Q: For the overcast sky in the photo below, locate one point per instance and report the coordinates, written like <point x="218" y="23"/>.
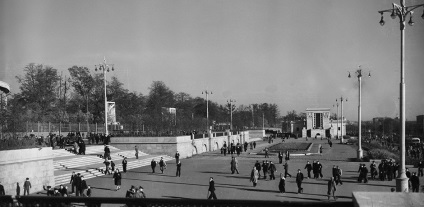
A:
<point x="295" y="53"/>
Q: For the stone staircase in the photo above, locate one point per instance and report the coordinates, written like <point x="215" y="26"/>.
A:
<point x="90" y="160"/>
<point x="62" y="153"/>
<point x="97" y="172"/>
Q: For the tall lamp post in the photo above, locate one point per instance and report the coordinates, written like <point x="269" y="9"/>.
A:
<point x="401" y="11"/>
<point x="359" y="75"/>
<point x="341" y="122"/>
<point x="207" y="108"/>
<point x="337" y="119"/>
<point x="105" y="68"/>
<point x="231" y="101"/>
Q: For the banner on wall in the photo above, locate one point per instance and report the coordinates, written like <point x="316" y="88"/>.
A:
<point x="111" y="113"/>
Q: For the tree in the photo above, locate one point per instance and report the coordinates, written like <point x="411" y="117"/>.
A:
<point x="159" y="96"/>
<point x="82" y="82"/>
<point x="39" y="91"/>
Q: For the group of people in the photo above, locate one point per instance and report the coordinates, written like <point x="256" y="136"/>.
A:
<point x="236" y="148"/>
<point x="79" y="185"/>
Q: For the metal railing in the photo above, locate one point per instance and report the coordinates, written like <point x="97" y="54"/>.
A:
<point x="41" y="201"/>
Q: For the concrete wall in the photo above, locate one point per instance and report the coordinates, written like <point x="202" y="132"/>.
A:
<point x="185" y="145"/>
<point x="35" y="164"/>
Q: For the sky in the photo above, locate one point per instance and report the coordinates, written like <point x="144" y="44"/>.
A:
<point x="294" y="53"/>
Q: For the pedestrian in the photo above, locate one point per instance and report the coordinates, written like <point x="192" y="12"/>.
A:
<point x="258" y="168"/>
<point x="130" y="192"/>
<point x="139" y="193"/>
<point x="280" y="157"/>
<point x="320" y="150"/>
<point x="245" y="146"/>
<point x="420" y="168"/>
<point x="265" y="168"/>
<point x="49" y="190"/>
<point x="107" y="164"/>
<point x="112" y="165"/>
<point x="234" y="165"/>
<point x="117" y="178"/>
<point x="78" y="185"/>
<point x="18" y="190"/>
<point x="331" y="188"/>
<point x="178" y="169"/>
<point x="319" y="169"/>
<point x="330" y="143"/>
<point x="408" y="175"/>
<point x="282" y="184"/>
<point x="308" y="167"/>
<point x="299" y="179"/>
<point x="136" y="152"/>
<point x="287" y="155"/>
<point x="2" y="192"/>
<point x="124" y="164"/>
<point x="89" y="193"/>
<point x="254" y="176"/>
<point x="153" y="165"/>
<point x="65" y="191"/>
<point x="373" y="168"/>
<point x="251" y="145"/>
<point x="83" y="188"/>
<point x="72" y="182"/>
<point x="27" y="186"/>
<point x="177" y="157"/>
<point x="162" y="164"/>
<point x="272" y="170"/>
<point x="286" y="170"/>
<point x="254" y="144"/>
<point x="211" y="189"/>
<point x="224" y="148"/>
<point x="415" y="182"/>
<point x="266" y="153"/>
<point x="338" y="177"/>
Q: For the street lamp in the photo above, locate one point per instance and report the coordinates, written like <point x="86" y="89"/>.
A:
<point x="105" y="68"/>
<point x="341" y="122"/>
<point x="207" y="108"/>
<point x="337" y="119"/>
<point x="359" y="75"/>
<point x="401" y="11"/>
<point x="231" y="113"/>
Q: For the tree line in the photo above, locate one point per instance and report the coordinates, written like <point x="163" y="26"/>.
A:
<point x="47" y="96"/>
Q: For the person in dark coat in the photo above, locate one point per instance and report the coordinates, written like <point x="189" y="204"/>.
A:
<point x="420" y="169"/>
<point x="18" y="190"/>
<point x="112" y="165"/>
<point x="280" y="157"/>
<point x="272" y="170"/>
<point x="211" y="189"/>
<point x="130" y="192"/>
<point x="299" y="179"/>
<point x="258" y="167"/>
<point x="415" y="182"/>
<point x="177" y="157"/>
<point x="78" y="185"/>
<point x="72" y="182"/>
<point x="308" y="168"/>
<point x="89" y="192"/>
<point x="153" y="165"/>
<point x="319" y="169"/>
<point x="27" y="186"/>
<point x="124" y="164"/>
<point x="408" y="175"/>
<point x="282" y="183"/>
<point x="254" y="144"/>
<point x="117" y="177"/>
<point x="162" y="164"/>
<point x="265" y="168"/>
<point x="49" y="190"/>
<point x="245" y="146"/>
<point x="178" y="169"/>
<point x="2" y="192"/>
<point x="286" y="170"/>
<point x="224" y="149"/>
<point x="315" y="169"/>
<point x="83" y="187"/>
<point x="373" y="168"/>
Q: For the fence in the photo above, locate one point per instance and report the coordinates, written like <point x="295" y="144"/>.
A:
<point x="42" y="201"/>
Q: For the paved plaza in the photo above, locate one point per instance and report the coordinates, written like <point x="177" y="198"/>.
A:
<point x="193" y="183"/>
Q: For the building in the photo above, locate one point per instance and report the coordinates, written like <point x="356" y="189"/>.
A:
<point x="318" y="122"/>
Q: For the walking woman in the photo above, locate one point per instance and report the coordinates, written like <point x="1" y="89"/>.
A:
<point x="254" y="175"/>
<point x="282" y="184"/>
<point x="331" y="188"/>
<point x="117" y="177"/>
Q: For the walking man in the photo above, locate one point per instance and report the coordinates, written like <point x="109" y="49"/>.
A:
<point x="319" y="168"/>
<point x="72" y="182"/>
<point x="178" y="169"/>
<point x="211" y="189"/>
<point x="299" y="179"/>
<point x="415" y="182"/>
<point x="338" y="176"/>
<point x="373" y="168"/>
<point x="177" y="157"/>
<point x="136" y="152"/>
<point x="272" y="170"/>
<point x="420" y="168"/>
<point x="27" y="186"/>
<point x="124" y="164"/>
<point x="308" y="167"/>
<point x="282" y="184"/>
<point x="162" y="164"/>
<point x="258" y="168"/>
<point x="286" y="170"/>
<point x="280" y="157"/>
<point x="153" y="165"/>
<point x="234" y="165"/>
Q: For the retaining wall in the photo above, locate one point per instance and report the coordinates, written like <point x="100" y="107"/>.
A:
<point x="35" y="164"/>
<point x="185" y="145"/>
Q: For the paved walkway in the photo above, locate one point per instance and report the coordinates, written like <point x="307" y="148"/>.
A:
<point x="196" y="172"/>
